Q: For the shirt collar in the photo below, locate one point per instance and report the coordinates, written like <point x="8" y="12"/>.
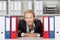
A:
<point x="33" y="25"/>
<point x="28" y="28"/>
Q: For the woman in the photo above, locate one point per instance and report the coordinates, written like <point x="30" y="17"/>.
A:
<point x="30" y="27"/>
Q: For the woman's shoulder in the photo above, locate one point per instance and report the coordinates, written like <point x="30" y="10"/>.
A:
<point x="37" y="20"/>
<point x="22" y="21"/>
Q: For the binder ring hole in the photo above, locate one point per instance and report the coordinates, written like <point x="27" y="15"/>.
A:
<point x="45" y="32"/>
<point x="2" y="32"/>
<point x="13" y="32"/>
<point x="57" y="32"/>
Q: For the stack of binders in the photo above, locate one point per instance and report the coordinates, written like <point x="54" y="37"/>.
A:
<point x="2" y="27"/>
<point x="11" y="27"/>
<point x="48" y="26"/>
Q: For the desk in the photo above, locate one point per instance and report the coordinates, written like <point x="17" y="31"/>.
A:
<point x="32" y="38"/>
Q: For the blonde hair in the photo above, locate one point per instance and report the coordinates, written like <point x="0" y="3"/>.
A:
<point x="29" y="11"/>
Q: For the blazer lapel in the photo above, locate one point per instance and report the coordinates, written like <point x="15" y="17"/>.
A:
<point x="24" y="26"/>
<point x="35" y="27"/>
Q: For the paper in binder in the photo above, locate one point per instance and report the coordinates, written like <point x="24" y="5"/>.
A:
<point x="2" y="27"/>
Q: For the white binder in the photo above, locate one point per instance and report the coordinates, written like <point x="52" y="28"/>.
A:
<point x="57" y="27"/>
<point x="27" y="5"/>
<point x="19" y="8"/>
<point x="15" y="7"/>
<point x="4" y="7"/>
<point x="11" y="7"/>
<point x="38" y="7"/>
<point x="30" y="5"/>
<point x="2" y="28"/>
<point x="0" y="7"/>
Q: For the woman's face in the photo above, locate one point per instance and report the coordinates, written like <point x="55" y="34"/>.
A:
<point x="29" y="18"/>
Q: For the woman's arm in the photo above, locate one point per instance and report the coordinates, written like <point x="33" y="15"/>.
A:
<point x="31" y="35"/>
<point x="19" y="29"/>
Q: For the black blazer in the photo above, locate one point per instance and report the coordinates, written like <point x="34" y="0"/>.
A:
<point x="37" y="29"/>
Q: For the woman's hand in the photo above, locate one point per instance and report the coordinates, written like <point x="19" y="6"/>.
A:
<point x="30" y="34"/>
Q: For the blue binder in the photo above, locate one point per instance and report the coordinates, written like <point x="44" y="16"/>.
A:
<point x="52" y="26"/>
<point x="7" y="27"/>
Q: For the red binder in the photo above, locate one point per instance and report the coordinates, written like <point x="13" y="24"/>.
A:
<point x="14" y="27"/>
<point x="45" y="27"/>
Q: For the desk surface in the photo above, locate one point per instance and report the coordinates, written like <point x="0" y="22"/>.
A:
<point x="31" y="38"/>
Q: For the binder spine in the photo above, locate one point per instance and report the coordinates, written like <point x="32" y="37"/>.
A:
<point x="14" y="34"/>
<point x="52" y="32"/>
<point x="7" y="33"/>
<point x="45" y="33"/>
